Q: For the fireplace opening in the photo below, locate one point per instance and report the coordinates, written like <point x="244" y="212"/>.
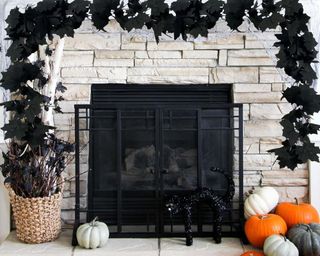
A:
<point x="144" y="143"/>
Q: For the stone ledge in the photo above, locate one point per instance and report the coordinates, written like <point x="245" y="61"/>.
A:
<point x="175" y="62"/>
<point x="76" y="59"/>
<point x="79" y="72"/>
<point x="254" y="42"/>
<point x="158" y="54"/>
<point x="249" y="58"/>
<point x="200" y="54"/>
<point x="164" y="71"/>
<point x="245" y="87"/>
<point x="270" y="75"/>
<point x="93" y="80"/>
<point x="255" y="97"/>
<point x="133" y="46"/>
<point x="234" y="75"/>
<point x="169" y="46"/>
<point x="168" y="79"/>
<point x="77" y="91"/>
<point x="113" y="63"/>
<point x="214" y="43"/>
<point x="105" y="54"/>
<point x="86" y="73"/>
<point x="262" y="128"/>
<point x="93" y="41"/>
<point x="269" y="111"/>
<point x="136" y="37"/>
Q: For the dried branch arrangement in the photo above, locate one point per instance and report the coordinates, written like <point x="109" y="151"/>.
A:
<point x="36" y="171"/>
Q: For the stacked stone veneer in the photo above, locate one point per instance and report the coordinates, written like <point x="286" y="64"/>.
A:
<point x="237" y="58"/>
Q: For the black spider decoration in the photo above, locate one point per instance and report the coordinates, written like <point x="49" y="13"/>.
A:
<point x="217" y="203"/>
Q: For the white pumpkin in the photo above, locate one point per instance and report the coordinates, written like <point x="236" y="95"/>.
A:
<point x="93" y="235"/>
<point x="260" y="202"/>
<point x="277" y="245"/>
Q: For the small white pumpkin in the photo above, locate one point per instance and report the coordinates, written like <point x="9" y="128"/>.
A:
<point x="278" y="245"/>
<point x="93" y="235"/>
<point x="261" y="202"/>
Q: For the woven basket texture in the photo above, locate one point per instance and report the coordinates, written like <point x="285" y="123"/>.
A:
<point x="37" y="219"/>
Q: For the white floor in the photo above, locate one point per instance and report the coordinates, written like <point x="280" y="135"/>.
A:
<point x="123" y="247"/>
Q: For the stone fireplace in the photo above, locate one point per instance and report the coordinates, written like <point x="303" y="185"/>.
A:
<point x="146" y="143"/>
<point x="238" y="58"/>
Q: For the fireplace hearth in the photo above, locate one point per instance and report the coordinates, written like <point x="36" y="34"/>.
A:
<point x="145" y="143"/>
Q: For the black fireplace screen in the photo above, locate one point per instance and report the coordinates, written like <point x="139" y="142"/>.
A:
<point x="141" y="144"/>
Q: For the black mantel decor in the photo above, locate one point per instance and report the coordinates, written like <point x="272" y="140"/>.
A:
<point x="148" y="142"/>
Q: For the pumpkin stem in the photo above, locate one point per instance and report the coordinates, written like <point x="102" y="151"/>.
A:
<point x="94" y="220"/>
<point x="264" y="216"/>
<point x="297" y="202"/>
<point x="251" y="191"/>
<point x="284" y="237"/>
<point x="307" y="227"/>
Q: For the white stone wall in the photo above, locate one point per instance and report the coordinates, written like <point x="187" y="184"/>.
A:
<point x="237" y="58"/>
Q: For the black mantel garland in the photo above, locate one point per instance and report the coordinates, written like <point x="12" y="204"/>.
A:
<point x="30" y="28"/>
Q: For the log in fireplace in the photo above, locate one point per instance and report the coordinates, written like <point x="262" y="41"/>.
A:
<point x="148" y="142"/>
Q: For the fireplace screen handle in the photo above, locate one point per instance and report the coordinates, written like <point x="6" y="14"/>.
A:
<point x="165" y="171"/>
<point x="151" y="170"/>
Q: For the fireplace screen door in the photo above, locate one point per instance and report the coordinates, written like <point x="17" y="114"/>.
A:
<point x="139" y="154"/>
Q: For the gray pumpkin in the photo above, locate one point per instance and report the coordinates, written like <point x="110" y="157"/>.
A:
<point x="306" y="238"/>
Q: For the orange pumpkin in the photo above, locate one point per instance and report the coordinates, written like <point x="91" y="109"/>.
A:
<point x="252" y="253"/>
<point x="297" y="213"/>
<point x="259" y="227"/>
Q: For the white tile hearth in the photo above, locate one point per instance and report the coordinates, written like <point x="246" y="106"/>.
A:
<point x="60" y="247"/>
<point x="125" y="247"/>
<point x="122" y="247"/>
<point x="201" y="247"/>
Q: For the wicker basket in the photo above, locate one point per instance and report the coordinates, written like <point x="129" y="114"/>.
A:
<point x="37" y="219"/>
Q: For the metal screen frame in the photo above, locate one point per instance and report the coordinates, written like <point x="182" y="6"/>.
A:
<point x="204" y="97"/>
<point x="82" y="112"/>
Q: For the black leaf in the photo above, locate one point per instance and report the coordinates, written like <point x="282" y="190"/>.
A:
<point x="271" y="22"/>
<point x="235" y="11"/>
<point x="61" y="88"/>
<point x="289" y="131"/>
<point x="58" y="109"/>
<point x="101" y="12"/>
<point x="15" y="129"/>
<point x="13" y="18"/>
<point x="46" y="5"/>
<point x="17" y="74"/>
<point x="287" y="156"/>
<point x="304" y="96"/>
<point x="79" y="6"/>
<point x="308" y="152"/>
